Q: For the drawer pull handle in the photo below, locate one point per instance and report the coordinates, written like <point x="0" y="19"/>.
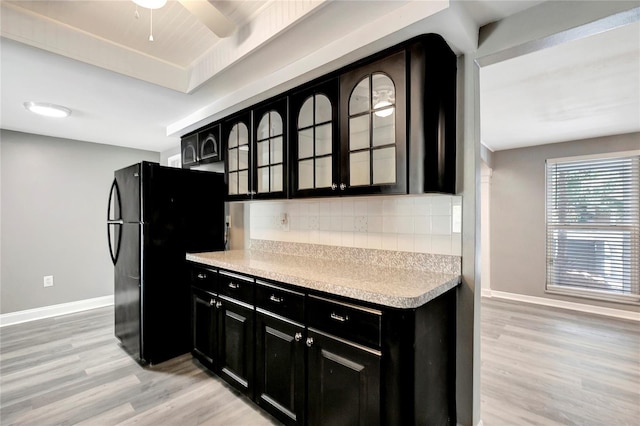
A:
<point x="212" y="302"/>
<point x="276" y="299"/>
<point x="298" y="336"/>
<point x="309" y="341"/>
<point x="218" y="304"/>
<point x="340" y="318"/>
<point x="234" y="286"/>
<point x="202" y="276"/>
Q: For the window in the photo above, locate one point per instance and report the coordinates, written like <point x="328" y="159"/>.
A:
<point x="593" y="241"/>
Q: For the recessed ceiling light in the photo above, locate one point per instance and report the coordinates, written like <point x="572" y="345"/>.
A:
<point x="48" y="110"/>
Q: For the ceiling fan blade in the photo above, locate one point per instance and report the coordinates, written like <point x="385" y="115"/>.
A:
<point x="210" y="16"/>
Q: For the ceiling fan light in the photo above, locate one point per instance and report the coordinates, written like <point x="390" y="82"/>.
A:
<point x="383" y="112"/>
<point x="150" y="4"/>
<point x="47" y="110"/>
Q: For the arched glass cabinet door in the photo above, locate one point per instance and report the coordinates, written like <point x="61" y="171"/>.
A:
<point x="314" y="137"/>
<point x="374" y="127"/>
<point x="270" y="149"/>
<point x="209" y="144"/>
<point x="189" y="150"/>
<point x="238" y="156"/>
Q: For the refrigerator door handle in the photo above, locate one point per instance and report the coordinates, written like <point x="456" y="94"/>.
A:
<point x="114" y="251"/>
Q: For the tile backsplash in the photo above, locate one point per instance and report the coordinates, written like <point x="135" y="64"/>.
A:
<point x="419" y="224"/>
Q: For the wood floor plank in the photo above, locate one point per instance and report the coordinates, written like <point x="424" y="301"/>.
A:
<point x="539" y="366"/>
<point x="548" y="366"/>
<point x="70" y="370"/>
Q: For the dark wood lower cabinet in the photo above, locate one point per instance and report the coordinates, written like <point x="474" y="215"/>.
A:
<point x="315" y="359"/>
<point x="236" y="344"/>
<point x="280" y="367"/>
<point x="343" y="383"/>
<point x="204" y="325"/>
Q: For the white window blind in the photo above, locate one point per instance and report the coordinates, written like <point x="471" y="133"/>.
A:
<point x="593" y="226"/>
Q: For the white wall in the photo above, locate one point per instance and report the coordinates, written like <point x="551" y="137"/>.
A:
<point x="518" y="255"/>
<point x="421" y="224"/>
<point x="54" y="206"/>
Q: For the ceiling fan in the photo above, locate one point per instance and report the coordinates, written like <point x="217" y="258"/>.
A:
<point x="203" y="10"/>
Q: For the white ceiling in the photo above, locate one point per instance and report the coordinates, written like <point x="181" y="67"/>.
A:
<point x="94" y="57"/>
<point x="579" y="89"/>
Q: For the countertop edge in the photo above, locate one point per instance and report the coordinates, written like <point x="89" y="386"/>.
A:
<point x="387" y="300"/>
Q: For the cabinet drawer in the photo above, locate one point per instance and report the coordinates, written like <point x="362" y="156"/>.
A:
<point x="280" y="301"/>
<point x="204" y="279"/>
<point x="352" y="322"/>
<point x="236" y="286"/>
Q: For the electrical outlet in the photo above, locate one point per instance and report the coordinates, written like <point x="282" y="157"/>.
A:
<point x="48" y="280"/>
<point x="228" y="220"/>
<point x="283" y="221"/>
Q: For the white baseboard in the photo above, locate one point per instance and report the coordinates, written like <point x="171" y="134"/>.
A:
<point x="555" y="303"/>
<point x="54" y="310"/>
<point x="486" y="292"/>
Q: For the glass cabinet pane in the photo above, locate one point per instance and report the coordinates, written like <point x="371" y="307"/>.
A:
<point x="243" y="134"/>
<point x="384" y="127"/>
<point x="263" y="128"/>
<point x="233" y="183"/>
<point x="323" y="109"/>
<point x="233" y="159"/>
<point x="305" y="143"/>
<point x="262" y="149"/>
<point x="323" y="172"/>
<point x="323" y="139"/>
<point x="276" y="150"/>
<point x="243" y="182"/>
<point x="263" y="179"/>
<point x="359" y="168"/>
<point x="233" y="137"/>
<point x="276" y="124"/>
<point x="384" y="165"/>
<point x="276" y="178"/>
<point x="305" y="174"/>
<point x="243" y="157"/>
<point x="305" y="117"/>
<point x="360" y="100"/>
<point x="359" y="132"/>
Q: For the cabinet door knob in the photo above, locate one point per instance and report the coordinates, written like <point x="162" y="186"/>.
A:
<point x="298" y="336"/>
<point x="218" y="304"/>
<point x="343" y="187"/>
<point x="334" y="186"/>
<point x="309" y="341"/>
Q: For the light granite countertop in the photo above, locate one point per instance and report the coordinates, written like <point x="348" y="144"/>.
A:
<point x="387" y="286"/>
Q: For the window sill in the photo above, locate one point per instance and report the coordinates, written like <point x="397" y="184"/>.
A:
<point x="594" y="295"/>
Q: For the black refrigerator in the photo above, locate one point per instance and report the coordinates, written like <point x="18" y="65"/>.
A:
<point x="156" y="215"/>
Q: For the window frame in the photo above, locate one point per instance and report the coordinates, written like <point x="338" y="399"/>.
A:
<point x="633" y="297"/>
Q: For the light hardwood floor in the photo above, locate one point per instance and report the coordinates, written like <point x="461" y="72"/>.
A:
<point x="540" y="366"/>
<point x="546" y="366"/>
<point x="70" y="370"/>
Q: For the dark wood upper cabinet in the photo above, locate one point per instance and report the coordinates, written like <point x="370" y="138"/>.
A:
<point x="432" y="115"/>
<point x="373" y="127"/>
<point x="189" y="151"/>
<point x="236" y="133"/>
<point x="315" y="140"/>
<point x="383" y="125"/>
<point x="270" y="150"/>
